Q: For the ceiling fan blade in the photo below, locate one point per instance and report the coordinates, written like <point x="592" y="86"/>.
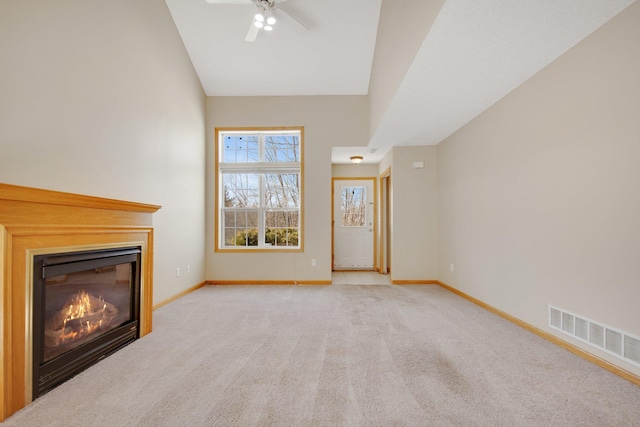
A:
<point x="252" y="33"/>
<point x="287" y="16"/>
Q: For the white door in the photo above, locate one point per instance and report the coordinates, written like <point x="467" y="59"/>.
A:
<point x="353" y="224"/>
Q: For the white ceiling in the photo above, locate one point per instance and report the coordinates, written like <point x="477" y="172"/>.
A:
<point x="476" y="52"/>
<point x="333" y="57"/>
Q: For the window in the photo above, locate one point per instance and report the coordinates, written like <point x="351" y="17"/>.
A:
<point x="259" y="190"/>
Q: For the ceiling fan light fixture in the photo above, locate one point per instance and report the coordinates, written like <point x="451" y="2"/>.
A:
<point x="356" y="159"/>
<point x="271" y="19"/>
<point x="258" y="24"/>
<point x="259" y="17"/>
<point x="268" y="28"/>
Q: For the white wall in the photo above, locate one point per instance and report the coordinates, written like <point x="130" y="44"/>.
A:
<point x="538" y="197"/>
<point x="328" y="121"/>
<point x="100" y="98"/>
<point x="414" y="214"/>
<point x="354" y="171"/>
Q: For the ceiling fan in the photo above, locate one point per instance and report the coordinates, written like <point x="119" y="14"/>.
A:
<point x="265" y="16"/>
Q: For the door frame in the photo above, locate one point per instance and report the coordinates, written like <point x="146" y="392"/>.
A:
<point x="375" y="215"/>
<point x="385" y="222"/>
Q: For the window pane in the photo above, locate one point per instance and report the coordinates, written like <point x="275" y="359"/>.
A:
<point x="241" y="219"/>
<point x="240" y="227"/>
<point x="245" y="237"/>
<point x="354" y="201"/>
<point x="240" y="148"/>
<point x="281" y="237"/>
<point x="240" y="236"/>
<point x="241" y="190"/>
<point x="229" y="236"/>
<point x="230" y="218"/>
<point x="252" y="219"/>
<point x="282" y="228"/>
<point x="281" y="219"/>
<point x="282" y="190"/>
<point x="282" y="148"/>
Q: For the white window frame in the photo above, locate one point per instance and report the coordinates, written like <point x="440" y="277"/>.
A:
<point x="261" y="168"/>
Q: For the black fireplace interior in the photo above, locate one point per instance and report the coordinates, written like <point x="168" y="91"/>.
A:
<point x="86" y="305"/>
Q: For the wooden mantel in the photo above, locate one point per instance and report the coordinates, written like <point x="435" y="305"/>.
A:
<point x="35" y="221"/>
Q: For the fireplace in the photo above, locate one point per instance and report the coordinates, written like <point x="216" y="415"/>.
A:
<point x="86" y="305"/>
<point x="37" y="224"/>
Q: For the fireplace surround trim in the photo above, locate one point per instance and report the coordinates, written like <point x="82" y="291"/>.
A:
<point x="35" y="221"/>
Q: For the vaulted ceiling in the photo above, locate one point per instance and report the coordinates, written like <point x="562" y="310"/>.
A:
<point x="475" y="53"/>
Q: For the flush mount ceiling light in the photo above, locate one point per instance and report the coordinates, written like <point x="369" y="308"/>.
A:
<point x="356" y="159"/>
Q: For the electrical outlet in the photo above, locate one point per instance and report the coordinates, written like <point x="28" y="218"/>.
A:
<point x="313" y="262"/>
<point x="188" y="268"/>
<point x="177" y="271"/>
<point x="451" y="267"/>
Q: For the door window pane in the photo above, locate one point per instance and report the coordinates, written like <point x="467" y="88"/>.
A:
<point x="354" y="201"/>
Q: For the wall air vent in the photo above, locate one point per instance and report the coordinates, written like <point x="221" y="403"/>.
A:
<point x="613" y="341"/>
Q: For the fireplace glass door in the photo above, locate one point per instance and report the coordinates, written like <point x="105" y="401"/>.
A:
<point x="85" y="307"/>
<point x="82" y="305"/>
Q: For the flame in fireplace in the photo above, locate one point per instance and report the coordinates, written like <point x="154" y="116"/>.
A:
<point x="79" y="308"/>
<point x="83" y="315"/>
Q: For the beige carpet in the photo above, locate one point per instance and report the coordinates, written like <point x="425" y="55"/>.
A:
<point x="341" y="355"/>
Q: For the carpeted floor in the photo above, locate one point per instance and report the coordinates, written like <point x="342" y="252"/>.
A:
<point x="340" y="355"/>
